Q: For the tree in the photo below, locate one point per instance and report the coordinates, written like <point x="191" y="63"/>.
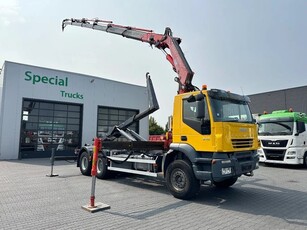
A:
<point x="154" y="128"/>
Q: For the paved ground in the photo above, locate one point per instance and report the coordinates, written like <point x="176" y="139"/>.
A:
<point x="275" y="198"/>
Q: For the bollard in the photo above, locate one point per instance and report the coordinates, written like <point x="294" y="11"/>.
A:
<point x="94" y="171"/>
<point x="52" y="163"/>
<point x="98" y="206"/>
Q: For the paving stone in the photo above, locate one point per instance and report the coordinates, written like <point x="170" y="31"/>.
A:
<point x="275" y="198"/>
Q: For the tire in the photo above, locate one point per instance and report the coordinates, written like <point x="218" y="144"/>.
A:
<point x="305" y="160"/>
<point x="180" y="180"/>
<point x="225" y="183"/>
<point x="85" y="164"/>
<point x="102" y="168"/>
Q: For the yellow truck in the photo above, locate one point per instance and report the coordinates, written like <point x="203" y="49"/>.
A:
<point x="212" y="136"/>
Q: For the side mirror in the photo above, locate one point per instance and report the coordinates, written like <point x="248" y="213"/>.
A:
<point x="300" y="127"/>
<point x="200" y="109"/>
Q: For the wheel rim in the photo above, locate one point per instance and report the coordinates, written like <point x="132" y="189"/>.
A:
<point x="178" y="179"/>
<point x="84" y="163"/>
<point x="99" y="165"/>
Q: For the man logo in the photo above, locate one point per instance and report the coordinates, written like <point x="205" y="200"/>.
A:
<point x="273" y="143"/>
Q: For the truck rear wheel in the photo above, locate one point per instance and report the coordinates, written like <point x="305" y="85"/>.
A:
<point x="85" y="164"/>
<point x="102" y="168"/>
<point x="180" y="180"/>
<point x="225" y="183"/>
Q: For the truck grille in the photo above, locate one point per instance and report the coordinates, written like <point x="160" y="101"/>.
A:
<point x="272" y="154"/>
<point x="242" y="143"/>
<point x="276" y="143"/>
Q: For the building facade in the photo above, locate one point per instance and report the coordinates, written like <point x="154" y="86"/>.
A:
<point x="42" y="109"/>
<point x="295" y="98"/>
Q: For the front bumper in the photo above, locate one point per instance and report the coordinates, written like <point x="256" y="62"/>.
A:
<point x="228" y="165"/>
<point x="293" y="156"/>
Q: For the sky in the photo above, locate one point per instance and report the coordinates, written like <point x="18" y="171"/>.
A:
<point x="244" y="46"/>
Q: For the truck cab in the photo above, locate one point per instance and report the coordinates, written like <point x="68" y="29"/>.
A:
<point x="283" y="138"/>
<point x="216" y="131"/>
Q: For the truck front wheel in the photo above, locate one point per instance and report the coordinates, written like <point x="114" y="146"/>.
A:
<point x="305" y="160"/>
<point x="225" y="183"/>
<point x="85" y="164"/>
<point x="180" y="180"/>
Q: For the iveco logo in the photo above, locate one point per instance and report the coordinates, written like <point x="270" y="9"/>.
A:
<point x="243" y="129"/>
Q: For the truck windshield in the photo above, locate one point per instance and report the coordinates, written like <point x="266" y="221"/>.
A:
<point x="230" y="110"/>
<point x="275" y="128"/>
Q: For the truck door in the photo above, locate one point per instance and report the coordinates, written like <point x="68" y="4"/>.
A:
<point x="196" y="125"/>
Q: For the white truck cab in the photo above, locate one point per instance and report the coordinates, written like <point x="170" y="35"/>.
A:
<point x="283" y="138"/>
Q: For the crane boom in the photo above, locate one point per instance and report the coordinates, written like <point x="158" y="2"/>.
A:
<point x="161" y="41"/>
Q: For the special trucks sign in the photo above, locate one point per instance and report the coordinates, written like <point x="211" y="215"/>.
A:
<point x="54" y="81"/>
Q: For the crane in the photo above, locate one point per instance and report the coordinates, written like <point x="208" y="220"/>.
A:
<point x="165" y="42"/>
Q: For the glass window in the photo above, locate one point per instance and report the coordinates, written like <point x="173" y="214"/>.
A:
<point x="74" y="114"/>
<point x="60" y="113"/>
<point x="113" y="111"/>
<point x="190" y="113"/>
<point x="44" y="112"/>
<point x="276" y="128"/>
<point x="75" y="108"/>
<point x="60" y="107"/>
<point x="122" y="112"/>
<point x="189" y="110"/>
<point x="26" y="104"/>
<point x="45" y="119"/>
<point x="110" y="117"/>
<point x="73" y="121"/>
<point x="102" y="122"/>
<point x="230" y="111"/>
<point x="103" y="128"/>
<point x="32" y="111"/>
<point x="103" y="116"/>
<point x="47" y="125"/>
<point x="103" y="110"/>
<point x="44" y="105"/>
<point x="60" y="120"/>
<point x="73" y="127"/>
<point x="30" y="105"/>
<point x="31" y="126"/>
<point x="33" y="119"/>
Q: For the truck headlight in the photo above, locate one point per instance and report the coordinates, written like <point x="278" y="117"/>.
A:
<point x="226" y="171"/>
<point x="291" y="153"/>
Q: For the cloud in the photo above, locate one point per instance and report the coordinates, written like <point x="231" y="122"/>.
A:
<point x="10" y="12"/>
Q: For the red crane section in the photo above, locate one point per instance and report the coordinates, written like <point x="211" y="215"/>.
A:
<point x="163" y="42"/>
